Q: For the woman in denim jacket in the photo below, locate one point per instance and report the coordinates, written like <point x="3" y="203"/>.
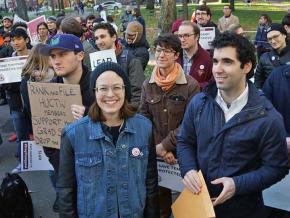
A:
<point x="107" y="161"/>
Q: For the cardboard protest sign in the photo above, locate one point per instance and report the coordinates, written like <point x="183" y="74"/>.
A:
<point x="169" y="176"/>
<point x="99" y="57"/>
<point x="189" y="205"/>
<point x="11" y="69"/>
<point x="33" y="157"/>
<point x="207" y="35"/>
<point x="51" y="110"/>
<point x="32" y="28"/>
<point x="278" y="195"/>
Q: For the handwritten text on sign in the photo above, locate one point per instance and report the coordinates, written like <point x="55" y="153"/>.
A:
<point x="11" y="69"/>
<point x="51" y="110"/>
<point x="99" y="57"/>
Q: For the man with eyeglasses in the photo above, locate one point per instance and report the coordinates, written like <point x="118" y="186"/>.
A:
<point x="164" y="98"/>
<point x="203" y="17"/>
<point x="279" y="54"/>
<point x="228" y="19"/>
<point x="194" y="60"/>
<point x="66" y="55"/>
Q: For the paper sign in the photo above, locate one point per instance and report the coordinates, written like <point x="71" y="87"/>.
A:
<point x="51" y="110"/>
<point x="99" y="57"/>
<point x="32" y="28"/>
<point x="207" y="35"/>
<point x="33" y="157"/>
<point x="11" y="69"/>
<point x="278" y="195"/>
<point x="189" y="205"/>
<point x="169" y="176"/>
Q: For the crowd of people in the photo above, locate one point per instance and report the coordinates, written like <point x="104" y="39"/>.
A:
<point x="199" y="108"/>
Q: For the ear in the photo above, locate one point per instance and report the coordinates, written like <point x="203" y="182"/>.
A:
<point x="114" y="38"/>
<point x="80" y="55"/>
<point x="247" y="67"/>
<point x="27" y="40"/>
<point x="176" y="56"/>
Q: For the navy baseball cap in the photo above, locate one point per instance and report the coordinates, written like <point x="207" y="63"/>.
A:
<point x="67" y="42"/>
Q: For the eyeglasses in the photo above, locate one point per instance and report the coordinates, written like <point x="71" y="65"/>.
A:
<point x="273" y="37"/>
<point x="201" y="14"/>
<point x="165" y="51"/>
<point x="185" y="36"/>
<point x="116" y="89"/>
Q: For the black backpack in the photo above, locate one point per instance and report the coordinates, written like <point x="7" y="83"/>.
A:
<point x="15" y="200"/>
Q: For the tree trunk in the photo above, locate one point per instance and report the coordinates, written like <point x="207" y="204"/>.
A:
<point x="52" y="7"/>
<point x="232" y="4"/>
<point x="21" y="9"/>
<point x="150" y="4"/>
<point x="185" y="9"/>
<point x="61" y="5"/>
<point x="5" y="5"/>
<point x="167" y="15"/>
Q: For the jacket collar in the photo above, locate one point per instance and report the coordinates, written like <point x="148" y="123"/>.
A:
<point x="96" y="131"/>
<point x="180" y="80"/>
<point x="254" y="99"/>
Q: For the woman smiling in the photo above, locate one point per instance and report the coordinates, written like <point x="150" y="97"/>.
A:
<point x="107" y="161"/>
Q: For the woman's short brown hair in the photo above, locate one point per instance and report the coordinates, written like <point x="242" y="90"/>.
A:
<point x="126" y="111"/>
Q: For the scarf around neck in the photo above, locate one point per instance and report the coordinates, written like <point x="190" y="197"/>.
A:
<point x="166" y="83"/>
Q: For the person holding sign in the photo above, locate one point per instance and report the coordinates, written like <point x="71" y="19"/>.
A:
<point x="106" y="38"/>
<point x="108" y="155"/>
<point x="66" y="55"/>
<point x="163" y="100"/>
<point x="233" y="135"/>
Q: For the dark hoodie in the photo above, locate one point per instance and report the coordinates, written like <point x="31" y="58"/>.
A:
<point x="139" y="50"/>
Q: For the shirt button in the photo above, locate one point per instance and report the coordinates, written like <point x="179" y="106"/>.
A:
<point x="123" y="146"/>
<point x="165" y="110"/>
<point x="152" y="100"/>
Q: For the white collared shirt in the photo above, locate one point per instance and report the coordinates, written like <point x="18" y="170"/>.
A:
<point x="236" y="106"/>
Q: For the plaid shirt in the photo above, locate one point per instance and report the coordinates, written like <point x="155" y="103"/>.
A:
<point x="187" y="62"/>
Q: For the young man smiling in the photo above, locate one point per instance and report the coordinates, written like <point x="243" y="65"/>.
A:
<point x="164" y="98"/>
<point x="233" y="135"/>
<point x="106" y="38"/>
<point x="279" y="55"/>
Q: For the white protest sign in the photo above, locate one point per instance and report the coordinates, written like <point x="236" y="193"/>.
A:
<point x="33" y="157"/>
<point x="169" y="176"/>
<point x="99" y="57"/>
<point x="278" y="195"/>
<point x="207" y="35"/>
<point x="11" y="69"/>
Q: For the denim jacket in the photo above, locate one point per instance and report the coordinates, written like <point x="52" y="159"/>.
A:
<point x="100" y="179"/>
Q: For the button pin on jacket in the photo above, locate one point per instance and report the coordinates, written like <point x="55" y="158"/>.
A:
<point x="201" y="67"/>
<point x="136" y="152"/>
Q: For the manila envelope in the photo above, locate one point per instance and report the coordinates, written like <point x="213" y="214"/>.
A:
<point x="189" y="205"/>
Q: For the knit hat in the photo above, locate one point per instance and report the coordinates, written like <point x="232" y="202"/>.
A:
<point x="111" y="66"/>
<point x="7" y="18"/>
<point x="176" y="24"/>
<point x="135" y="27"/>
<point x="277" y="27"/>
<point x="51" y="19"/>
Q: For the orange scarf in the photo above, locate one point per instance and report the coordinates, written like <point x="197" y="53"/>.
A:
<point x="167" y="82"/>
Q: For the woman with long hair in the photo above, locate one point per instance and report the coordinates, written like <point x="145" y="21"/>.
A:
<point x="107" y="161"/>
